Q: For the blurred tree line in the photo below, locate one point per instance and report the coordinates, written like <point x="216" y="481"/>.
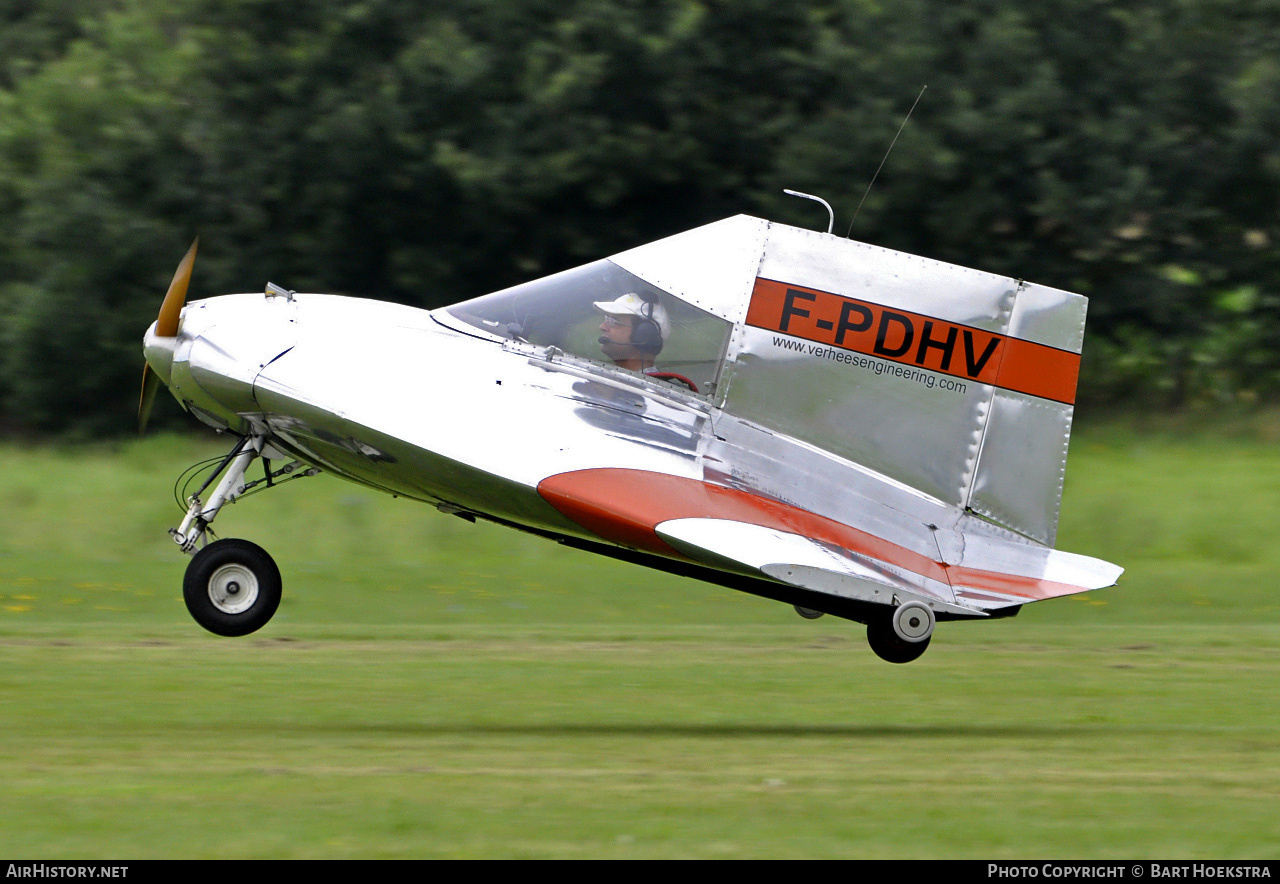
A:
<point x="429" y="152"/>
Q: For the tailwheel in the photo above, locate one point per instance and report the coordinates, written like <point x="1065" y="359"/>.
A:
<point x="904" y="636"/>
<point x="232" y="587"/>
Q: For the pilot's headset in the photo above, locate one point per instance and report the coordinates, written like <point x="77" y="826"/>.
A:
<point x="646" y="334"/>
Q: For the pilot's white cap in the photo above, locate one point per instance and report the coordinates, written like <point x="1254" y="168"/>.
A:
<point x="632" y="304"/>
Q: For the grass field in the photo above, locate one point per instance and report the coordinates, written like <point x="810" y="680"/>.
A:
<point x="432" y="688"/>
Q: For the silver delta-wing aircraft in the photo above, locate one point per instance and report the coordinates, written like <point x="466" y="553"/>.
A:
<point x="847" y="429"/>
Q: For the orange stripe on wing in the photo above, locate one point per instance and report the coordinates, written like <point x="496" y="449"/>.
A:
<point x="1031" y="588"/>
<point x="625" y="506"/>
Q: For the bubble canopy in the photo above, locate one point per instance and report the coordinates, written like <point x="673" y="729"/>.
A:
<point x="559" y="311"/>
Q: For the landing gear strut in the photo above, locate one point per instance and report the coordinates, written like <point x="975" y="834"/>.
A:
<point x="232" y="587"/>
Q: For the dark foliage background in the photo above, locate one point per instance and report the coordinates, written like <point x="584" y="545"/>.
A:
<point x="427" y="153"/>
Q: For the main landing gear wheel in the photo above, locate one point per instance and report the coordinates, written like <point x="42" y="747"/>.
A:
<point x="232" y="587"/>
<point x="904" y="636"/>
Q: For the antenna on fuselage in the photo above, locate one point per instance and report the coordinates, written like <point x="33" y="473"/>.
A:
<point x="831" y="215"/>
<point x="886" y="156"/>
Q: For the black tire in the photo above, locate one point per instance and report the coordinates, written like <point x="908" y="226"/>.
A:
<point x="216" y="579"/>
<point x="888" y="646"/>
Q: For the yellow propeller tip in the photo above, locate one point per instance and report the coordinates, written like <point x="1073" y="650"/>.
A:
<point x="176" y="297"/>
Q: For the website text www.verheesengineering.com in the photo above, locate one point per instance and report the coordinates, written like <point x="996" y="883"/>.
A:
<point x="877" y="366"/>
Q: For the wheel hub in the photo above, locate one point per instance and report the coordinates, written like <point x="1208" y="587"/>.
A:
<point x="913" y="622"/>
<point x="233" y="589"/>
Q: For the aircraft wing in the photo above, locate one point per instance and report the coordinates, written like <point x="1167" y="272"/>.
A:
<point x="807" y="563"/>
<point x="734" y="530"/>
<point x="991" y="575"/>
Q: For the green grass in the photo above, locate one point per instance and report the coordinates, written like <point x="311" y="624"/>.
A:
<point x="432" y="688"/>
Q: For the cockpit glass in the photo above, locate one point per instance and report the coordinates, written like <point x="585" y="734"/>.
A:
<point x="602" y="313"/>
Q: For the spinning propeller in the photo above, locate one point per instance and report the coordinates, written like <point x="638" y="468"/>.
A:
<point x="166" y="327"/>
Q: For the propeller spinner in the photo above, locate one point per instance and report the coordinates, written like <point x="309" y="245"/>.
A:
<point x="166" y="327"/>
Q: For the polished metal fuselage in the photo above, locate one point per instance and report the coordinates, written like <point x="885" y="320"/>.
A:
<point x="389" y="397"/>
<point x="416" y="404"/>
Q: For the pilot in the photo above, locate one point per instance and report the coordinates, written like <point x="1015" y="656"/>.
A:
<point x="634" y="329"/>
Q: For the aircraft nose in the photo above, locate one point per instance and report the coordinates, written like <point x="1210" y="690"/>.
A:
<point x="158" y="352"/>
<point x="225" y="342"/>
